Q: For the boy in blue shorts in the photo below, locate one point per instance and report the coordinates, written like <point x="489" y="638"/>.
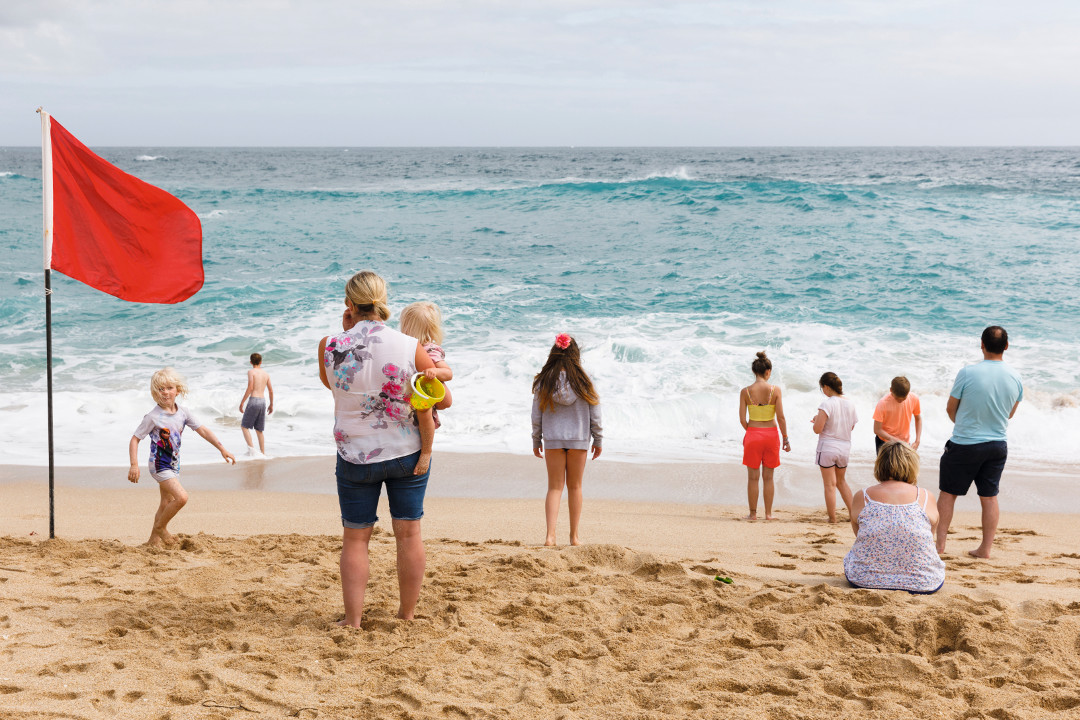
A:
<point x="258" y="385"/>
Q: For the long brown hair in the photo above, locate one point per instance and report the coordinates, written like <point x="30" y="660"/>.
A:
<point x="563" y="360"/>
<point x="831" y="381"/>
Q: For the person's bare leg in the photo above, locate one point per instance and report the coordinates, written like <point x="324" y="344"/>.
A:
<point x="945" y="505"/>
<point x="991" y="512"/>
<point x="767" y="489"/>
<point x="354" y="573"/>
<point x="575" y="472"/>
<point x="828" y="478"/>
<point x="173" y="497"/>
<point x="411" y="561"/>
<point x="842" y="486"/>
<point x="555" y="460"/>
<point x="247" y="439"/>
<point x="262" y="441"/>
<point x="752" y="476"/>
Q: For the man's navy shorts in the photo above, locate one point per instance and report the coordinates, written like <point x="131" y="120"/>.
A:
<point x="980" y="463"/>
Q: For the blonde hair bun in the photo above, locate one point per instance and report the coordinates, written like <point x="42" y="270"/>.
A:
<point x="366" y="289"/>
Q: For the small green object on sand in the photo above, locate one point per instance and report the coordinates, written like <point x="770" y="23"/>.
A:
<point x="725" y="580"/>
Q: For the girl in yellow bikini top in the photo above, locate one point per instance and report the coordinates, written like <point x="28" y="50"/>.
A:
<point x="760" y="413"/>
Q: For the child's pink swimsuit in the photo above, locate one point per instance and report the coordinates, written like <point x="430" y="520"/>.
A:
<point x="437" y="355"/>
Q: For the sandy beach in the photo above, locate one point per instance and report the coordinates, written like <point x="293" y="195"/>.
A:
<point x="238" y="619"/>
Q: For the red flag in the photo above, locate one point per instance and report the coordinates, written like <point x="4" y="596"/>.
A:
<point x="115" y="232"/>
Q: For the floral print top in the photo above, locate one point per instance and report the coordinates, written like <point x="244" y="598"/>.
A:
<point x="895" y="548"/>
<point x="370" y="369"/>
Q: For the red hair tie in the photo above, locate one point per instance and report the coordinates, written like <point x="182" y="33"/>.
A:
<point x="562" y="340"/>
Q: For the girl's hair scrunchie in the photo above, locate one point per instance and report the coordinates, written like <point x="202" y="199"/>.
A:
<point x="562" y="340"/>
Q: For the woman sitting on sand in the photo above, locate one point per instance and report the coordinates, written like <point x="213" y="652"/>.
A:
<point x="369" y="369"/>
<point x="894" y="524"/>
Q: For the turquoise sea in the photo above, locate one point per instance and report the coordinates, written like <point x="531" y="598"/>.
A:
<point x="671" y="266"/>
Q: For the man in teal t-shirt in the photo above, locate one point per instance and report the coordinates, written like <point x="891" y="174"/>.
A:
<point x="983" y="398"/>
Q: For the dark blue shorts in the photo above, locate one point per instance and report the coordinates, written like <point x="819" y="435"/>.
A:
<point x="359" y="487"/>
<point x="980" y="463"/>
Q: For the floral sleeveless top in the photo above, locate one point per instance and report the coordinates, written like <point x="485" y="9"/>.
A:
<point x="370" y="369"/>
<point x="895" y="548"/>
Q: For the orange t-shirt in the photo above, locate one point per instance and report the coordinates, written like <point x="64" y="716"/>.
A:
<point x="895" y="417"/>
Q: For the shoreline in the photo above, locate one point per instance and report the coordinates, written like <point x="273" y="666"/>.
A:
<point x="673" y="531"/>
<point x="512" y="476"/>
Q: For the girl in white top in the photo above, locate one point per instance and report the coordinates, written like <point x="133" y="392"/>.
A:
<point x="833" y="424"/>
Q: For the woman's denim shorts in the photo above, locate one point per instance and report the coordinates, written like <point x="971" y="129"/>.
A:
<point x="359" y="487"/>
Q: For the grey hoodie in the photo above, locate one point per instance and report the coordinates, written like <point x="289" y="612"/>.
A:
<point x="569" y="424"/>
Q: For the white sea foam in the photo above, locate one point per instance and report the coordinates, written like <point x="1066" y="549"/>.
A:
<point x="679" y="173"/>
<point x="669" y="386"/>
<point x="150" y="158"/>
<point x="213" y="214"/>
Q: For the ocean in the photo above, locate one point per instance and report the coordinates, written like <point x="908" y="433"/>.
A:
<point x="671" y="266"/>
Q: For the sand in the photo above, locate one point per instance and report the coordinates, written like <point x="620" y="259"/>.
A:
<point x="237" y="621"/>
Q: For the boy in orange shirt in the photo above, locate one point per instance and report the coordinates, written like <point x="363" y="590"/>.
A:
<point x="893" y="414"/>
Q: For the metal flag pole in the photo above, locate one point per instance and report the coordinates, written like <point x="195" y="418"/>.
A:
<point x="47" y="225"/>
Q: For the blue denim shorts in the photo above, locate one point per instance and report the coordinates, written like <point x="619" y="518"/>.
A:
<point x="359" y="487"/>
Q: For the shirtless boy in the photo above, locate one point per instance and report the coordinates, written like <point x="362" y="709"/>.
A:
<point x="258" y="383"/>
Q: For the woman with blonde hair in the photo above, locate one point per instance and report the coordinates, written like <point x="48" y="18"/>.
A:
<point x="369" y="369"/>
<point x="894" y="524"/>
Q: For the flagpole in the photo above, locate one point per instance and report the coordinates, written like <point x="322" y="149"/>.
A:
<point x="48" y="364"/>
<point x="47" y="227"/>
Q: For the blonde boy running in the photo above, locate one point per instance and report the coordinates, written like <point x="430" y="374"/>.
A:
<point x="164" y="424"/>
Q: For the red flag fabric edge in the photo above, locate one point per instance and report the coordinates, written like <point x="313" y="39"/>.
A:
<point x="117" y="233"/>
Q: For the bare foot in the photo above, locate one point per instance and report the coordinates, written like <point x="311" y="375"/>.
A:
<point x="832" y="520"/>
<point x="977" y="554"/>
<point x="550" y="542"/>
<point x="769" y="517"/>
<point x="169" y="538"/>
<point x="751" y="516"/>
<point x="155" y="541"/>
<point x="343" y="623"/>
<point x="576" y="541"/>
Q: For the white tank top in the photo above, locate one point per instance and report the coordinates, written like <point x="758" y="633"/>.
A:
<point x="369" y="369"/>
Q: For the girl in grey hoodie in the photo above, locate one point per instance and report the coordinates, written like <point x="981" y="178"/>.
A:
<point x="565" y="415"/>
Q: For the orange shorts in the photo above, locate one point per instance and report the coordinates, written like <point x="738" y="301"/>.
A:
<point x="761" y="446"/>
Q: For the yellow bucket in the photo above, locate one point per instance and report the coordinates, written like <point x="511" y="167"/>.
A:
<point x="426" y="393"/>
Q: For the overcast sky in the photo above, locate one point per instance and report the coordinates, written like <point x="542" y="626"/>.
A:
<point x="546" y="72"/>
